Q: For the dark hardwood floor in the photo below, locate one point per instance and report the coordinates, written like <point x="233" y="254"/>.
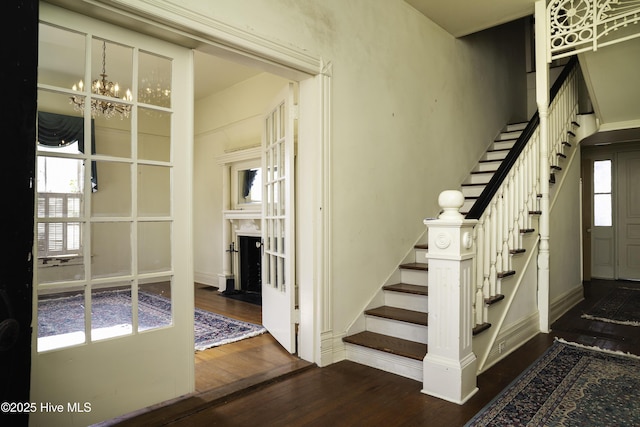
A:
<point x="348" y="394"/>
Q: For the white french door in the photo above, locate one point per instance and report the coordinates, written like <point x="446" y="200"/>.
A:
<point x="278" y="261"/>
<point x="113" y="221"/>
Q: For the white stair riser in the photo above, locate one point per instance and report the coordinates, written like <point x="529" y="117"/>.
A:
<point x="495" y="155"/>
<point x="479" y="178"/>
<point x="398" y="365"/>
<point x="501" y="145"/>
<point x="474" y="191"/>
<point x="468" y="203"/>
<point x="421" y="255"/>
<point x="395" y="328"/>
<point x="509" y="135"/>
<point x="488" y="166"/>
<point x="414" y="277"/>
<point x="407" y="301"/>
<point x="515" y="127"/>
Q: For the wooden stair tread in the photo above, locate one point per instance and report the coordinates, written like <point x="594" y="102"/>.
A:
<point x="481" y="328"/>
<point x="407" y="289"/>
<point x="504" y="274"/>
<point x="415" y="266"/>
<point x="388" y="344"/>
<point x="400" y="314"/>
<point x="422" y="246"/>
<point x="494" y="299"/>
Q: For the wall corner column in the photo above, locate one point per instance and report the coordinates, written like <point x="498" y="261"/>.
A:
<point x="226" y="275"/>
<point x="542" y="99"/>
<point x="450" y="367"/>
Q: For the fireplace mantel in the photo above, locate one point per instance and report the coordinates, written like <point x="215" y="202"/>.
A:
<point x="245" y="222"/>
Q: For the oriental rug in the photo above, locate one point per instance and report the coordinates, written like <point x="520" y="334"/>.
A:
<point x="621" y="306"/>
<point x="569" y="385"/>
<point x="112" y="314"/>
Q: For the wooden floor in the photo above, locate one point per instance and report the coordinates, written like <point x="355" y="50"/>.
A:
<point x="348" y="394"/>
<point x="245" y="362"/>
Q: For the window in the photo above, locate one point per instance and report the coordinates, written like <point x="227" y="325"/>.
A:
<point x="602" y="215"/>
<point x="59" y="203"/>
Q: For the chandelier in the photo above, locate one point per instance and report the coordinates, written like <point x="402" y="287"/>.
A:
<point x="105" y="88"/>
<point x="154" y="90"/>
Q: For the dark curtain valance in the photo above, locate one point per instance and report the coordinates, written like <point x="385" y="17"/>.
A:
<point x="58" y="130"/>
<point x="249" y="177"/>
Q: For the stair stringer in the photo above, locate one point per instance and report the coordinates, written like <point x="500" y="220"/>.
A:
<point x="486" y="343"/>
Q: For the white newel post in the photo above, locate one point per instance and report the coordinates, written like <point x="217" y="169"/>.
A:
<point x="450" y="366"/>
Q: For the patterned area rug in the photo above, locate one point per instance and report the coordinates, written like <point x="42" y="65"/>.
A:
<point x="112" y="309"/>
<point x="569" y="385"/>
<point x="621" y="306"/>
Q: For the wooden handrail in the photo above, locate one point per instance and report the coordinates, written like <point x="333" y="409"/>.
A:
<point x="492" y="187"/>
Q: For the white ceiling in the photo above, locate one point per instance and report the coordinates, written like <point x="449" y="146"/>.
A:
<point x="463" y="17"/>
<point x="213" y="74"/>
<point x="611" y="73"/>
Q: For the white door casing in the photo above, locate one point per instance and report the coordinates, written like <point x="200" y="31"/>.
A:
<point x="278" y="232"/>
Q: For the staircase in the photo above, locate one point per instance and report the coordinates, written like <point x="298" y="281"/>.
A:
<point x="489" y="164"/>
<point x="395" y="335"/>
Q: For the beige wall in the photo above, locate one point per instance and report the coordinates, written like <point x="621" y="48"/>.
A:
<point x="412" y="111"/>
<point x="565" y="262"/>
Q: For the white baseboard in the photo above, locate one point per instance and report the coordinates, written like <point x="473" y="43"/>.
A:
<point x="566" y="302"/>
<point x="511" y="338"/>
<point x="205" y="278"/>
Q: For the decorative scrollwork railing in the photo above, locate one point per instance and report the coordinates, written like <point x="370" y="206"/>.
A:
<point x="575" y="26"/>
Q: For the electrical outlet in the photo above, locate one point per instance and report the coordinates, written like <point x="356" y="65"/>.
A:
<point x="501" y="346"/>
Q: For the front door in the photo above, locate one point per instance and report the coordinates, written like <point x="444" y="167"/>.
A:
<point x="278" y="274"/>
<point x="628" y="234"/>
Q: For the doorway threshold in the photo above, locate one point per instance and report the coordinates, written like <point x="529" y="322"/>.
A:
<point x="173" y="410"/>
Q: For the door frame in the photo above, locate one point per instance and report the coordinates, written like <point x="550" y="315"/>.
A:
<point x="313" y="189"/>
<point x="590" y="153"/>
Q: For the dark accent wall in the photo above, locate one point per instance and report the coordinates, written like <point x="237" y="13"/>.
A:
<point x="18" y="118"/>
